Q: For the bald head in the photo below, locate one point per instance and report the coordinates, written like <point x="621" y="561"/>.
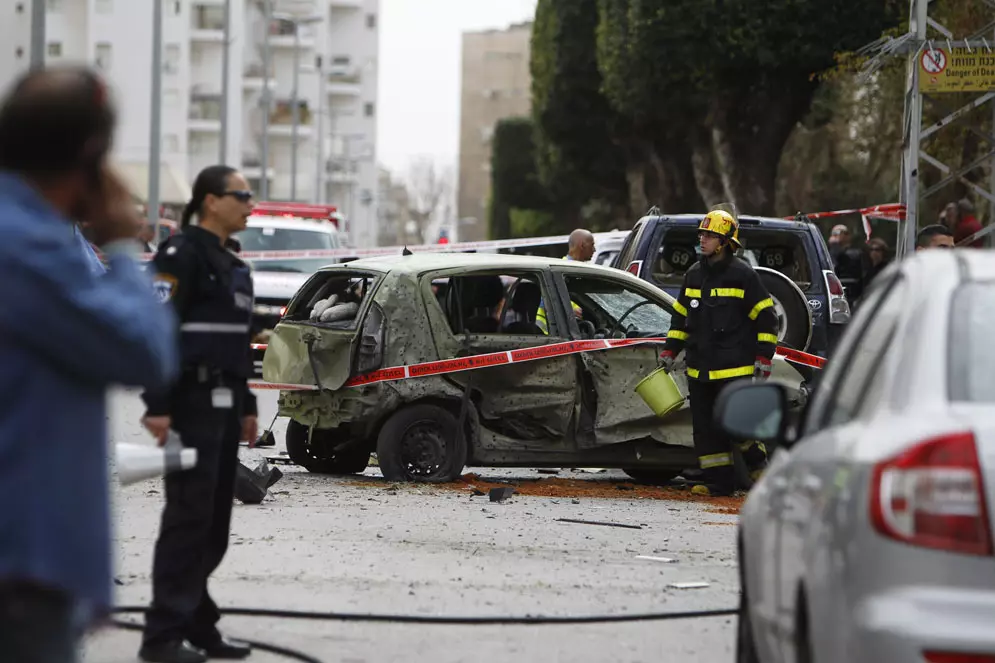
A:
<point x="55" y="122"/>
<point x="581" y="245"/>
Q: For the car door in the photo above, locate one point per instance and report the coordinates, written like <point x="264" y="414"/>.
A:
<point x="804" y="487"/>
<point x="621" y="307"/>
<point x="308" y="350"/>
<point x="493" y="310"/>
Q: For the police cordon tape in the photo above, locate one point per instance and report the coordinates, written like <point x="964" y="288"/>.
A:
<point x="504" y="358"/>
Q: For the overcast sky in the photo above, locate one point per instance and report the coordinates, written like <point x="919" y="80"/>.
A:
<point x="420" y="48"/>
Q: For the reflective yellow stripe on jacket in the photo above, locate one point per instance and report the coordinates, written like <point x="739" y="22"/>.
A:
<point x="723" y="374"/>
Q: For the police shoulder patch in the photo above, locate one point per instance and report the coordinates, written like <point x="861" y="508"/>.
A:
<point x="164" y="285"/>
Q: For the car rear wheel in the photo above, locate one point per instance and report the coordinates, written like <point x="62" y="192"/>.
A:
<point x="313" y="457"/>
<point x="794" y="319"/>
<point x="652" y="477"/>
<point x="421" y="443"/>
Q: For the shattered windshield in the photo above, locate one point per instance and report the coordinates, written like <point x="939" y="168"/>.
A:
<point x="617" y="307"/>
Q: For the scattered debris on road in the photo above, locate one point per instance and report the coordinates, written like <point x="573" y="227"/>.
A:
<point x="689" y="585"/>
<point x="665" y="560"/>
<point x="597" y="522"/>
<point x="501" y="494"/>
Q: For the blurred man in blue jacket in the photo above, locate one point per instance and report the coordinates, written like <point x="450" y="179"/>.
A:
<point x="67" y="332"/>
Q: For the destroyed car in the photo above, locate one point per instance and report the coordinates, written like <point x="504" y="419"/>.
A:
<point x="569" y="410"/>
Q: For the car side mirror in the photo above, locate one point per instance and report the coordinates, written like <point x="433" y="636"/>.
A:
<point x="754" y="411"/>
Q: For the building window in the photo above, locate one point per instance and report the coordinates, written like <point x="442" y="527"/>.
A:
<point x="54" y="6"/>
<point x="170" y="144"/>
<point x="368" y="109"/>
<point x="175" y="8"/>
<point x="171" y="59"/>
<point x="105" y="6"/>
<point x="171" y="98"/>
<point x="103" y="56"/>
<point x="55" y="49"/>
<point x="371" y="21"/>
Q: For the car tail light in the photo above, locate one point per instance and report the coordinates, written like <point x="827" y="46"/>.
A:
<point x="634" y="267"/>
<point x="839" y="308"/>
<point x="957" y="657"/>
<point x="933" y="496"/>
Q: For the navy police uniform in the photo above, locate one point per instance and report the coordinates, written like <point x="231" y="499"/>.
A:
<point x="211" y="290"/>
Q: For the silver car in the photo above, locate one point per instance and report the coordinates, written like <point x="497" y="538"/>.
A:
<point x="870" y="536"/>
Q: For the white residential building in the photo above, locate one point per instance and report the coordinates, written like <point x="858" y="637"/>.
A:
<point x="336" y="49"/>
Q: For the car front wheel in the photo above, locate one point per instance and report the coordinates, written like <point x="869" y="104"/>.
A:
<point x="421" y="443"/>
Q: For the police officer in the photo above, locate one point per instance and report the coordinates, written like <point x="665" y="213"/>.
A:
<point x="211" y="408"/>
<point x="726" y="324"/>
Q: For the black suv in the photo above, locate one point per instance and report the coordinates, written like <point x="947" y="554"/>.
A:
<point x="661" y="247"/>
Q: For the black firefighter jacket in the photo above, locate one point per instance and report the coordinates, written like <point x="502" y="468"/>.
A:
<point x="724" y="320"/>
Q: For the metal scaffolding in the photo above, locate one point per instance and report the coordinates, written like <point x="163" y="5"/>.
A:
<point x="938" y="64"/>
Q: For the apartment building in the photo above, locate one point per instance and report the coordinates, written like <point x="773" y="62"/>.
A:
<point x="496" y="84"/>
<point x="333" y="44"/>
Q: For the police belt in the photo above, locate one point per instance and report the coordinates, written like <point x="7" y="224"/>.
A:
<point x="203" y="374"/>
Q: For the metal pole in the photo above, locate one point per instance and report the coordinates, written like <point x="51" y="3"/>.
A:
<point x="991" y="185"/>
<point x="38" y="34"/>
<point x="225" y="63"/>
<point x="319" y="184"/>
<point x="295" y="112"/>
<point x="264" y="181"/>
<point x="155" y="138"/>
<point x="915" y="129"/>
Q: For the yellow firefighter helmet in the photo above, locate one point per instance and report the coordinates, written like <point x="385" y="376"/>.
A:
<point x="721" y="223"/>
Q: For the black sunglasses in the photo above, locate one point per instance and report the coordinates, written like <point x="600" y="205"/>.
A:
<point x="242" y="196"/>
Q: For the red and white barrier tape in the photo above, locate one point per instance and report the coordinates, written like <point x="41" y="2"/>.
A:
<point x="444" y="366"/>
<point x="396" y="250"/>
<point x="892" y="211"/>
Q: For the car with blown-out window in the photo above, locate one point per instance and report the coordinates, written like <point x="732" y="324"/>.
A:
<point x="562" y="409"/>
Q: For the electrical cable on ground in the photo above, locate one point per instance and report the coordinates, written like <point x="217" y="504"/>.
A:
<point x="457" y="621"/>
<point x="526" y="620"/>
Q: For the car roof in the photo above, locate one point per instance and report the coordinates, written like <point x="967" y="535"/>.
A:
<point x="290" y="223"/>
<point x="426" y="262"/>
<point x="746" y="221"/>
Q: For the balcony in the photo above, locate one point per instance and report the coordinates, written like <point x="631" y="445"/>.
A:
<point x="345" y="4"/>
<point x="281" y="35"/>
<point x="252" y="168"/>
<point x="281" y="120"/>
<point x="207" y="24"/>
<point x="341" y="171"/>
<point x="297" y="7"/>
<point x="205" y="114"/>
<point x="254" y="77"/>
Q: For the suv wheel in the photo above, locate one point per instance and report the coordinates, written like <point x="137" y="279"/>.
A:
<point x="421" y="443"/>
<point x="794" y="319"/>
<point x="311" y="457"/>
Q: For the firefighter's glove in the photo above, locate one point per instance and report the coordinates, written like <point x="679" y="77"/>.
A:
<point x="762" y="368"/>
<point x="667" y="361"/>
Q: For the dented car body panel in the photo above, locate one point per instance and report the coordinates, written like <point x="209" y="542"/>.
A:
<point x="422" y="308"/>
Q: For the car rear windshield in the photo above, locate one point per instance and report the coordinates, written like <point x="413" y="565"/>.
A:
<point x="972" y="363"/>
<point x="288" y="239"/>
<point x="780" y="250"/>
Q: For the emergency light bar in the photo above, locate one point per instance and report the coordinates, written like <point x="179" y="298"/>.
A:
<point x="298" y="210"/>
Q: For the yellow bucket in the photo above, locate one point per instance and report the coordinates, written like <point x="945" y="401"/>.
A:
<point x="660" y="392"/>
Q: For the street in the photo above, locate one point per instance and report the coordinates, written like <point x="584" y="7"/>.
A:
<point x="363" y="545"/>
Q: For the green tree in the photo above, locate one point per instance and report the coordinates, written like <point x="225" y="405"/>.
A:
<point x="577" y="157"/>
<point x="515" y="181"/>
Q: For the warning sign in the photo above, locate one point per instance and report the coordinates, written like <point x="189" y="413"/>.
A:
<point x="956" y="70"/>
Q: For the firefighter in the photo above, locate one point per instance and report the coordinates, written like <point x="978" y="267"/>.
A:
<point x="726" y="324"/>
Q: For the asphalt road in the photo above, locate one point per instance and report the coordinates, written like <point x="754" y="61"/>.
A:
<point x="364" y="545"/>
